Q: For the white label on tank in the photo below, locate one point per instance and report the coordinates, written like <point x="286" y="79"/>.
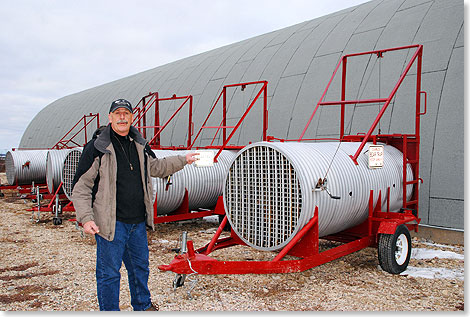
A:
<point x="204" y="158"/>
<point x="376" y="156"/>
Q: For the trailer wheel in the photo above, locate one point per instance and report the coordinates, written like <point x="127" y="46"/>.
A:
<point x="57" y="221"/>
<point x="394" y="250"/>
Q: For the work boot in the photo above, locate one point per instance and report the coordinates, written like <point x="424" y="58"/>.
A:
<point x="153" y="307"/>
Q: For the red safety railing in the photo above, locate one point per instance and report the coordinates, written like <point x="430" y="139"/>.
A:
<point x="68" y="140"/>
<point x="343" y="62"/>
<point x="153" y="100"/>
<point x="155" y="141"/>
<point x="140" y="113"/>
<point x="408" y="144"/>
<point x="223" y="125"/>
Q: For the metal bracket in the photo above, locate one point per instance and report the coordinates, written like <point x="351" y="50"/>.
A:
<point x="168" y="183"/>
<point x="321" y="185"/>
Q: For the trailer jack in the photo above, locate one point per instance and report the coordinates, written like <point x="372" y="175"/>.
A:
<point x="181" y="278"/>
<point x="38" y="201"/>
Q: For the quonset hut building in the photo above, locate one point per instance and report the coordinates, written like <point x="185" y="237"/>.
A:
<point x="297" y="62"/>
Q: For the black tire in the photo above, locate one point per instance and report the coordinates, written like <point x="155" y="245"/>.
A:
<point x="57" y="221"/>
<point x="394" y="250"/>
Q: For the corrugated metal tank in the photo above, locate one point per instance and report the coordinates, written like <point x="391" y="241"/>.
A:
<point x="168" y="200"/>
<point x="204" y="184"/>
<point x="270" y="194"/>
<point x="25" y="167"/>
<point x="54" y="167"/>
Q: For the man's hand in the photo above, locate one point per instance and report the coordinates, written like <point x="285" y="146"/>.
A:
<point x="190" y="157"/>
<point x="90" y="227"/>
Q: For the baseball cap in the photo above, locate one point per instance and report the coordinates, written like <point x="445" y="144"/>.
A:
<point x="120" y="103"/>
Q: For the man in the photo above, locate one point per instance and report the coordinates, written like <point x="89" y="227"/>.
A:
<point x="112" y="196"/>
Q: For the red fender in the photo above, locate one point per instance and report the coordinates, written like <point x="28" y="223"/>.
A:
<point x="387" y="227"/>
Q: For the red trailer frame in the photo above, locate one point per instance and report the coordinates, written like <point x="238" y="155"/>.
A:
<point x="58" y="203"/>
<point x="305" y="245"/>
<point x="27" y="191"/>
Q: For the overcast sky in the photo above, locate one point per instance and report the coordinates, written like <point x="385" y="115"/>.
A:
<point x="51" y="49"/>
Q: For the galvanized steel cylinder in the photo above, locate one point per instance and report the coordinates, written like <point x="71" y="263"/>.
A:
<point x="204" y="184"/>
<point x="68" y="172"/>
<point x="54" y="167"/>
<point x="270" y="195"/>
<point x="25" y="167"/>
<point x="168" y="198"/>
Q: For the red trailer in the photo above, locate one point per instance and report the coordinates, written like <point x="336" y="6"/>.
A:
<point x="385" y="230"/>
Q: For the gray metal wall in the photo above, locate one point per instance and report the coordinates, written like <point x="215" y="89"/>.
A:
<point x="298" y="62"/>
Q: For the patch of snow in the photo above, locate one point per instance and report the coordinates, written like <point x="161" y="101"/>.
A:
<point x="434" y="272"/>
<point x="212" y="219"/>
<point x="440" y="245"/>
<point x="210" y="231"/>
<point x="422" y="254"/>
<point x="161" y="241"/>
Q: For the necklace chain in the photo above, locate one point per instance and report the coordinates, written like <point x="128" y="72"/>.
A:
<point x="125" y="154"/>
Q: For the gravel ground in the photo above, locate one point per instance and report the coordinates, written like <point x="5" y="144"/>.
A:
<point x="51" y="268"/>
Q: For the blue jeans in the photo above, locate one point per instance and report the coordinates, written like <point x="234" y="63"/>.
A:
<point x="129" y="245"/>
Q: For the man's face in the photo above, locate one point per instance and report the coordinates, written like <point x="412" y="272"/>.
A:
<point x="121" y="120"/>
